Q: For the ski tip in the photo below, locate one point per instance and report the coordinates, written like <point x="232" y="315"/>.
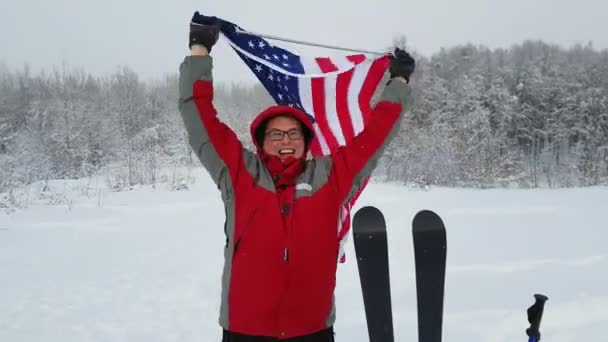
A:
<point x="367" y="211"/>
<point x="426" y="214"/>
<point x="424" y="217"/>
<point x="367" y="219"/>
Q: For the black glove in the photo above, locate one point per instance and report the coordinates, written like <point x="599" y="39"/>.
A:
<point x="204" y="31"/>
<point x="402" y="64"/>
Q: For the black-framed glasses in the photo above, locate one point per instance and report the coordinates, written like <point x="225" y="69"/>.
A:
<point x="277" y="135"/>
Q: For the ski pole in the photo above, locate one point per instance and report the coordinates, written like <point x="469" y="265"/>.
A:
<point x="535" y="314"/>
<point x="310" y="43"/>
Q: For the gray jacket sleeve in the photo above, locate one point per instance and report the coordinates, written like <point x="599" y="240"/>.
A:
<point x="214" y="143"/>
<point x="398" y="92"/>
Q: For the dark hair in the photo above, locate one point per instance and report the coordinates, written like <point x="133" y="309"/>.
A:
<point x="261" y="131"/>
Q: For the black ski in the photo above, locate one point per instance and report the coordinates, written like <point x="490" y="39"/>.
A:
<point x="430" y="249"/>
<point x="371" y="248"/>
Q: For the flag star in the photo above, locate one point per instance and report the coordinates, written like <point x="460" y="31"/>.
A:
<point x="291" y="105"/>
<point x="275" y="56"/>
<point x="280" y="96"/>
<point x="270" y="77"/>
<point x="285" y="56"/>
<point x="258" y="68"/>
<point x="286" y="77"/>
<point x="285" y="65"/>
<point x="286" y="89"/>
<point x="266" y="56"/>
<point x="251" y="44"/>
<point x="261" y="44"/>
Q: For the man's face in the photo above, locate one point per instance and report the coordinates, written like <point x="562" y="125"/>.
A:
<point x="284" y="138"/>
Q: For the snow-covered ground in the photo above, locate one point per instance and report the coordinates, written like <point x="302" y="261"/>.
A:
<point x="145" y="265"/>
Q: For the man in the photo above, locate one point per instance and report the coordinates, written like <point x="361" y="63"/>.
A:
<point x="282" y="209"/>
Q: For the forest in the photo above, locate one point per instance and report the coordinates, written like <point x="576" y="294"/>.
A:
<point x="532" y="115"/>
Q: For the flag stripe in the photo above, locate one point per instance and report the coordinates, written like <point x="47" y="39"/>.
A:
<point x="374" y="76"/>
<point x="331" y="109"/>
<point x="305" y="93"/>
<point x="315" y="147"/>
<point x="326" y="64"/>
<point x="326" y="110"/>
<point x="342" y="106"/>
<point x="319" y="145"/>
<point x="318" y="104"/>
<point x="357" y="59"/>
<point x="310" y="66"/>
<point x="359" y="76"/>
<point x="344" y="63"/>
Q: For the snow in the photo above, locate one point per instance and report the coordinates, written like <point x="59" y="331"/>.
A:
<point x="144" y="265"/>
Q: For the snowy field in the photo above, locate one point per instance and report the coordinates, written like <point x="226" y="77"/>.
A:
<point x="145" y="265"/>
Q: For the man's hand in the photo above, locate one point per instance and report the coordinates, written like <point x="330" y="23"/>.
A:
<point x="203" y="31"/>
<point x="401" y="65"/>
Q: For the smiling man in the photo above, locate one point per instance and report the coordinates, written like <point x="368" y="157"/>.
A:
<point x="282" y="208"/>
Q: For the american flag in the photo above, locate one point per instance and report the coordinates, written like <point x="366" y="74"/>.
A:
<point x="334" y="92"/>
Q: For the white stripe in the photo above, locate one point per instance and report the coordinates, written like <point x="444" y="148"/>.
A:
<point x="356" y="83"/>
<point x="341" y="251"/>
<point x="324" y="147"/>
<point x="341" y="218"/>
<point x="310" y="65"/>
<point x="342" y="63"/>
<point x="331" y="111"/>
<point x="305" y="90"/>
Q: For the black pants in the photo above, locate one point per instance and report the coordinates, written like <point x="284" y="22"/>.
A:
<point x="326" y="335"/>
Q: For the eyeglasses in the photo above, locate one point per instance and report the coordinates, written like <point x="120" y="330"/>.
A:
<point x="277" y="135"/>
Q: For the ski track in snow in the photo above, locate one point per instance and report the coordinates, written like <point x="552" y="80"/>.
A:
<point x="145" y="265"/>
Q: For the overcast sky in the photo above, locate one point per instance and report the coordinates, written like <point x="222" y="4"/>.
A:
<point x="151" y="36"/>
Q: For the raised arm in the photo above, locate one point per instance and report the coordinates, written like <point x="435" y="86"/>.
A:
<point x="215" y="144"/>
<point x="353" y="163"/>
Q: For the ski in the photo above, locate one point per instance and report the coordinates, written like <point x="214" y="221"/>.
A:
<point x="430" y="249"/>
<point x="371" y="249"/>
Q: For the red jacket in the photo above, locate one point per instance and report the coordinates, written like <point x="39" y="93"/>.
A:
<point x="282" y="223"/>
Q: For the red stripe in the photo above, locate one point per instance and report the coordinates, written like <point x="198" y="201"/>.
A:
<point x="318" y="106"/>
<point x="318" y="101"/>
<point x="374" y="76"/>
<point x="342" y="85"/>
<point x="345" y="226"/>
<point x="325" y="64"/>
<point x="356" y="59"/>
<point x="370" y="84"/>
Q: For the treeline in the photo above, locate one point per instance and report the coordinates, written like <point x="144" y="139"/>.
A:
<point x="529" y="116"/>
<point x="532" y="115"/>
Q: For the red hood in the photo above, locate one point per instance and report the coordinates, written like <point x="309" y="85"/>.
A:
<point x="273" y="111"/>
